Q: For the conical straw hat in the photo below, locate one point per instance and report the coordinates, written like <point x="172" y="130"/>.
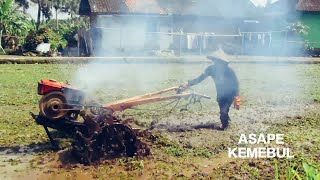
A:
<point x="219" y="56"/>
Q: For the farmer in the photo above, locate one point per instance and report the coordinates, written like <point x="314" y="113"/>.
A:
<point x="226" y="83"/>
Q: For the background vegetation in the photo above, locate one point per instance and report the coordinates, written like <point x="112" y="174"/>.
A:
<point x="15" y="22"/>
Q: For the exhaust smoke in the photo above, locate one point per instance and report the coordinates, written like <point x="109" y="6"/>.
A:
<point x="268" y="90"/>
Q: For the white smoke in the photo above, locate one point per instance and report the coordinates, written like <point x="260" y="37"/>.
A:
<point x="126" y="36"/>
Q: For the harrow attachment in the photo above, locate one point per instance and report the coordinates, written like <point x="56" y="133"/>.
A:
<point x="99" y="133"/>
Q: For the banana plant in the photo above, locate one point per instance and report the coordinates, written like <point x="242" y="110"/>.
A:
<point x="13" y="22"/>
<point x="4" y="9"/>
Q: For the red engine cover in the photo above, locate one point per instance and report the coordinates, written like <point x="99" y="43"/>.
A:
<point x="45" y="86"/>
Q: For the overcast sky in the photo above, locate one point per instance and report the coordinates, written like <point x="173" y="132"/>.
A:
<point x="33" y="11"/>
<point x="261" y="2"/>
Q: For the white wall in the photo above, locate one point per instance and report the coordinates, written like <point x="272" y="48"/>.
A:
<point x="131" y="33"/>
<point x="165" y="40"/>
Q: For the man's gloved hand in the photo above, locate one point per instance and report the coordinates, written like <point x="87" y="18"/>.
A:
<point x="237" y="102"/>
<point x="182" y="88"/>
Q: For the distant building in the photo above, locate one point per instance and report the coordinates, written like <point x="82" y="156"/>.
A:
<point x="310" y="15"/>
<point x="130" y="26"/>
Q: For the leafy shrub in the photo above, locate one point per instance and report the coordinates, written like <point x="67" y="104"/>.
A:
<point x="69" y="36"/>
<point x="311" y="172"/>
<point x="64" y="35"/>
<point x="292" y="172"/>
<point x="13" y="21"/>
<point x="68" y="28"/>
<point x="42" y="35"/>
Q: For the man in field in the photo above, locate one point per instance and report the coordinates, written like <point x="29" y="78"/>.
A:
<point x="226" y="83"/>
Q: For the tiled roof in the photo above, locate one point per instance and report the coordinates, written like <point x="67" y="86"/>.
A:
<point x="308" y="5"/>
<point x="124" y="6"/>
<point x="225" y="8"/>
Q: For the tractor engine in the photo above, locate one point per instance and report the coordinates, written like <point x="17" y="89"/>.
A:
<point x="99" y="133"/>
<point x="59" y="100"/>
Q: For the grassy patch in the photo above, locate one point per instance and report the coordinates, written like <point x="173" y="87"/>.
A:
<point x="303" y="138"/>
<point x="261" y="86"/>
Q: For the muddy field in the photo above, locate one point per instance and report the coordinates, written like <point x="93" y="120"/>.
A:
<point x="280" y="98"/>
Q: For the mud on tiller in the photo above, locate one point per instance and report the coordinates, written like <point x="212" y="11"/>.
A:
<point x="99" y="133"/>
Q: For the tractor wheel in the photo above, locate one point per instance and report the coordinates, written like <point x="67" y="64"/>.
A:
<point x="52" y="105"/>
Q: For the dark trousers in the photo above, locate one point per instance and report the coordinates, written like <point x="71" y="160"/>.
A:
<point x="224" y="105"/>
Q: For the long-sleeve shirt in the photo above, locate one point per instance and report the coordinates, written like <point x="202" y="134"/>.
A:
<point x="225" y="79"/>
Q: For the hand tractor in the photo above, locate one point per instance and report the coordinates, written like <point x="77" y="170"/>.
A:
<point x="97" y="132"/>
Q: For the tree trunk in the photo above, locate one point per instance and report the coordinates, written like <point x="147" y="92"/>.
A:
<point x="57" y="21"/>
<point x="39" y="14"/>
<point x="1" y="43"/>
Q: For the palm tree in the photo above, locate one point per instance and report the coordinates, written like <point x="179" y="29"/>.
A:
<point x="67" y="6"/>
<point x="72" y="7"/>
<point x="58" y="5"/>
<point x="44" y="7"/>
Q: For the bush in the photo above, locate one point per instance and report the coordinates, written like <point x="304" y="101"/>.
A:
<point x="68" y="28"/>
<point x="69" y="36"/>
<point x="42" y="35"/>
<point x="64" y="35"/>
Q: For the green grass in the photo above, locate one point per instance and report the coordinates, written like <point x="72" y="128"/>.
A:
<point x="18" y="97"/>
<point x="261" y="86"/>
<point x="302" y="136"/>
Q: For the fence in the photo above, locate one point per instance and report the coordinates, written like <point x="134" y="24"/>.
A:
<point x="135" y="42"/>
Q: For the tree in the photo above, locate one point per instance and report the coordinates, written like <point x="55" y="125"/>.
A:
<point x="23" y="3"/>
<point x="72" y="7"/>
<point x="67" y="6"/>
<point x="5" y="6"/>
<point x="46" y="11"/>
<point x="13" y="22"/>
<point x="44" y="7"/>
<point x="58" y="5"/>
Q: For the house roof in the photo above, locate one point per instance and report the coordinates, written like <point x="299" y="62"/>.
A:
<point x="226" y="8"/>
<point x="308" y="5"/>
<point x="120" y="6"/>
